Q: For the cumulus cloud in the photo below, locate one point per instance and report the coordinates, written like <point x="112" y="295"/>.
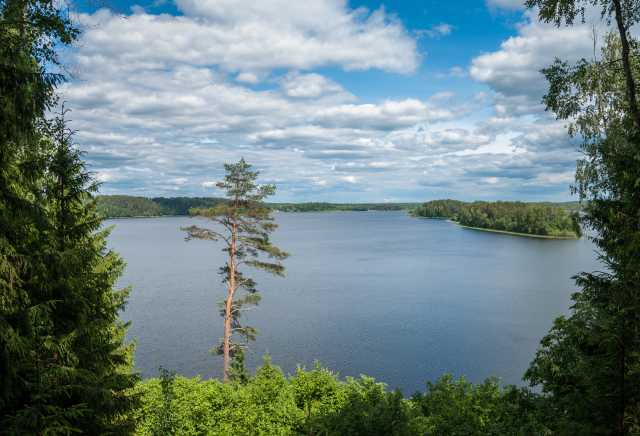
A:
<point x="391" y="114"/>
<point x="161" y="101"/>
<point x="514" y="71"/>
<point x="250" y="37"/>
<point x="311" y="85"/>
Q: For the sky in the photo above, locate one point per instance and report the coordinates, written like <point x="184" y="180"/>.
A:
<point x="331" y="100"/>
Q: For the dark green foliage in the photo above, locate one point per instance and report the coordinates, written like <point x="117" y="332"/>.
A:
<point x="238" y="371"/>
<point x="457" y="407"/>
<point x="367" y="409"/>
<point x="518" y="217"/>
<point x="76" y="373"/>
<point x="28" y="32"/>
<point x="439" y="209"/>
<point x="165" y="425"/>
<point x="182" y="205"/>
<point x="351" y="207"/>
<point x="589" y="363"/>
<point x="62" y="366"/>
<point x="120" y="206"/>
<point x="115" y="206"/>
<point x="317" y="403"/>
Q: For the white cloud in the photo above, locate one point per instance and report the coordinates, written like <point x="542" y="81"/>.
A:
<point x="311" y="85"/>
<point x="250" y="37"/>
<point x="247" y="77"/>
<point x="391" y="114"/>
<point x="178" y="181"/>
<point x="348" y="179"/>
<point x="513" y="71"/>
<point x="162" y="101"/>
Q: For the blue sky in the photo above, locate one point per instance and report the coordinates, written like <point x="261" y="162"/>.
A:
<point x="331" y="100"/>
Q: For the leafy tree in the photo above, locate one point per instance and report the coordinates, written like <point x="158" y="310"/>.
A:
<point x="625" y="13"/>
<point x="589" y="363"/>
<point x="165" y="424"/>
<point x="316" y="402"/>
<point x="439" y="209"/>
<point x="244" y="224"/>
<point x="317" y="393"/>
<point x="458" y="407"/>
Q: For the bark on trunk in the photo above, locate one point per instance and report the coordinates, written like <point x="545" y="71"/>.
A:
<point x="226" y="344"/>
<point x="626" y="64"/>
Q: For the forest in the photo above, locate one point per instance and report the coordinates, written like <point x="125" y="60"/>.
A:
<point x="120" y="206"/>
<point x="66" y="368"/>
<point x="543" y="219"/>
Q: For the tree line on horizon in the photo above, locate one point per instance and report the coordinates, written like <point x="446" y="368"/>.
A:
<point x="542" y="219"/>
<point x="64" y="364"/>
<point x="123" y="206"/>
<point x="128" y="206"/>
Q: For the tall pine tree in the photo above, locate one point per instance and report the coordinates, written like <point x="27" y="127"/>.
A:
<point x="244" y="223"/>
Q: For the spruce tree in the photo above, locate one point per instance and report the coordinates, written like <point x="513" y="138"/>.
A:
<point x="244" y="223"/>
<point x="30" y="31"/>
<point x="83" y="275"/>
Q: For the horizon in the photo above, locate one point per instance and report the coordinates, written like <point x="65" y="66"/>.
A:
<point x="341" y="202"/>
<point x="358" y="101"/>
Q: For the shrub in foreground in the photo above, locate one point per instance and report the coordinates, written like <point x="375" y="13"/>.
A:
<point x="317" y="402"/>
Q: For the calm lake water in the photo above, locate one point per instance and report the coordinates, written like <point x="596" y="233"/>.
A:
<point x="378" y="293"/>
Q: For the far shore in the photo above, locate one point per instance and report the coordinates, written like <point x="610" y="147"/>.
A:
<point x="506" y="232"/>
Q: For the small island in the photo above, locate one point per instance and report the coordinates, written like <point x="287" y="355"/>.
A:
<point x="542" y="220"/>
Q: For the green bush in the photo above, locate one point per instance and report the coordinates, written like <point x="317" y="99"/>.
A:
<point x="316" y="402"/>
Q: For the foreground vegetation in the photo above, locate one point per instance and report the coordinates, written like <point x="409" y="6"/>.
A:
<point x="510" y="217"/>
<point x="316" y="402"/>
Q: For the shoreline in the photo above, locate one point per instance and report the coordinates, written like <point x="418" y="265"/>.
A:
<point x="482" y="229"/>
<point x="139" y="217"/>
<point x="507" y="232"/>
<point x="504" y="232"/>
<point x="275" y="210"/>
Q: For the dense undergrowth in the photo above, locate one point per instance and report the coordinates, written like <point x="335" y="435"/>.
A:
<point x="318" y="402"/>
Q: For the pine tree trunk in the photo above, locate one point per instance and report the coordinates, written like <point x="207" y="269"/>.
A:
<point x="226" y="345"/>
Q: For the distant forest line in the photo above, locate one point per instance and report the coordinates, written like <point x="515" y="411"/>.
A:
<point x="558" y="220"/>
<point x="540" y="218"/>
<point x="122" y="206"/>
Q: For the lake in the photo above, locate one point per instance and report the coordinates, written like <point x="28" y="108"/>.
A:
<point x="398" y="298"/>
